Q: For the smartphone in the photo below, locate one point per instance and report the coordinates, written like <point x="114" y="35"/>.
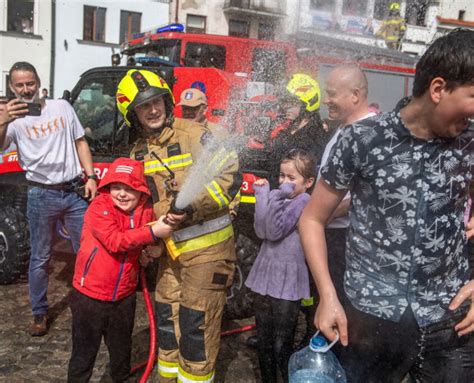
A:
<point x="34" y="109"/>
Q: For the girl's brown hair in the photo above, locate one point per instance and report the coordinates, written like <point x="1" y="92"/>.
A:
<point x="305" y="162"/>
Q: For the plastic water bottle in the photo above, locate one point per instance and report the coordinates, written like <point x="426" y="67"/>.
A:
<point x="316" y="363"/>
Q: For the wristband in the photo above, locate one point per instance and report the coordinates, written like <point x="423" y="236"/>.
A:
<point x="93" y="177"/>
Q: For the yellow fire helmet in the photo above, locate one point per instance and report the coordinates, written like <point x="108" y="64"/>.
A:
<point x="138" y="86"/>
<point x="394" y="7"/>
<point x="306" y="89"/>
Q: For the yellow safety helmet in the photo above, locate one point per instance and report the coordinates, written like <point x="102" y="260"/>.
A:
<point x="136" y="87"/>
<point x="394" y="7"/>
<point x="306" y="89"/>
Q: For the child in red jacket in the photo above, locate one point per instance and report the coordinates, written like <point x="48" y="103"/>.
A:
<point x="107" y="266"/>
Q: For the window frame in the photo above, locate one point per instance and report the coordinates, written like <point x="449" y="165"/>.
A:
<point x="238" y="21"/>
<point x="129" y="31"/>
<point x="191" y="29"/>
<point x="14" y="8"/>
<point x="93" y="31"/>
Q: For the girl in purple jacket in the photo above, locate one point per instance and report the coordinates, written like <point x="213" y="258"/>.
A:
<point x="279" y="275"/>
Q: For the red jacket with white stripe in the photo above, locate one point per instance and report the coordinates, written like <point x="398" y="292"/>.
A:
<point x="107" y="265"/>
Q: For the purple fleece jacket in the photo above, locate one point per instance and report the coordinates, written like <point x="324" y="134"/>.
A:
<point x="280" y="269"/>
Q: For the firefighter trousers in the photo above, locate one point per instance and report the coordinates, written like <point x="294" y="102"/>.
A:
<point x="189" y="305"/>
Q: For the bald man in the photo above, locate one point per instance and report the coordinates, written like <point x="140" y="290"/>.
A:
<point x="346" y="99"/>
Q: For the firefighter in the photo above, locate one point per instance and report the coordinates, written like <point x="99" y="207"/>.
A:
<point x="300" y="100"/>
<point x="191" y="285"/>
<point x="193" y="104"/>
<point x="393" y="28"/>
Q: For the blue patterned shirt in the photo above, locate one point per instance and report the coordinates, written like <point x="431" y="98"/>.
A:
<point x="406" y="243"/>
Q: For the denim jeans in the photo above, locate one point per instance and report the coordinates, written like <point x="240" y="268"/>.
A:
<point x="44" y="208"/>
<point x="384" y="351"/>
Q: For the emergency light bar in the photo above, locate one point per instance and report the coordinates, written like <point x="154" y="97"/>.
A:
<point x="174" y="27"/>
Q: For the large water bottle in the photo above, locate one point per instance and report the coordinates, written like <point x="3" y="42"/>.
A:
<point x="316" y="363"/>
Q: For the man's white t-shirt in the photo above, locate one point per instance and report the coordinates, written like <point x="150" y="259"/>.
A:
<point x="46" y="144"/>
<point x="340" y="222"/>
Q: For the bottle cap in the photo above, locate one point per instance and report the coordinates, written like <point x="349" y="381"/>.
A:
<point x="319" y="344"/>
<point x="318" y="341"/>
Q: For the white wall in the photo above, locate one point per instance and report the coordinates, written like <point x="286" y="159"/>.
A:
<point x="35" y="48"/>
<point x="81" y="55"/>
<point x="450" y="9"/>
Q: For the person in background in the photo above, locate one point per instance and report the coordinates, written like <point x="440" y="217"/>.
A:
<point x="374" y="108"/>
<point x="300" y="101"/>
<point x="407" y="306"/>
<point x="44" y="94"/>
<point x="52" y="149"/>
<point x="106" y="275"/>
<point x="279" y="275"/>
<point x="193" y="104"/>
<point x="393" y="27"/>
<point x="346" y="93"/>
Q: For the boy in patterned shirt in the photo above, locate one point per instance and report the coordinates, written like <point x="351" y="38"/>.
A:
<point x="405" y="309"/>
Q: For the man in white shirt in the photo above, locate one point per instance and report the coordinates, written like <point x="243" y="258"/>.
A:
<point x="346" y="99"/>
<point x="51" y="149"/>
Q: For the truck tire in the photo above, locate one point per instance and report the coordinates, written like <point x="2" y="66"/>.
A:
<point x="14" y="245"/>
<point x="240" y="298"/>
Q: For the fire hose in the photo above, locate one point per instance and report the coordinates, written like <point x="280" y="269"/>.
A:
<point x="149" y="364"/>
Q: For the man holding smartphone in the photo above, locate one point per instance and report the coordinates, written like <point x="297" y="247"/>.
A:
<point x="51" y="149"/>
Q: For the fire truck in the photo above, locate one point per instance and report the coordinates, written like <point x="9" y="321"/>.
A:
<point x="232" y="72"/>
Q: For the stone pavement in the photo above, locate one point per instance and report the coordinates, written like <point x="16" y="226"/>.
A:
<point x="44" y="359"/>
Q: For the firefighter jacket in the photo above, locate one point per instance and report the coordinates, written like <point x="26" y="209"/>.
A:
<point x="207" y="233"/>
<point x="393" y="29"/>
<point x="107" y="261"/>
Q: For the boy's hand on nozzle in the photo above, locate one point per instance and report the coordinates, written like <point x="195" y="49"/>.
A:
<point x="261" y="182"/>
<point x="162" y="229"/>
<point x="174" y="219"/>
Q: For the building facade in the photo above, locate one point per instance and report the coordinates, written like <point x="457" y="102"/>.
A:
<point x="25" y="35"/>
<point x="359" y="20"/>
<point x="64" y="38"/>
<point x="260" y="19"/>
<point x="89" y="31"/>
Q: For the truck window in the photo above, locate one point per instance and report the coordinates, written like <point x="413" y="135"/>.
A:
<point x="205" y="55"/>
<point x="158" y="52"/>
<point x="95" y="107"/>
<point x="268" y="65"/>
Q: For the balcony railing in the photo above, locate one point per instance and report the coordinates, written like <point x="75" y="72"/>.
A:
<point x="258" y="6"/>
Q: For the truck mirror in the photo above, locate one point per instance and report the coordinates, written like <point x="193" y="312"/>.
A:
<point x="115" y="59"/>
<point x="67" y="95"/>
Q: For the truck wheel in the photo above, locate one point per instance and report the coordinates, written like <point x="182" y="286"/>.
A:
<point x="14" y="245"/>
<point x="239" y="298"/>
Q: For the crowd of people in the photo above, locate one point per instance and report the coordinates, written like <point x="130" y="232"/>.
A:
<point x="374" y="210"/>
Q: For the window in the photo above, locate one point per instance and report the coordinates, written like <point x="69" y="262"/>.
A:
<point x="20" y="16"/>
<point x="205" y="55"/>
<point x="238" y="28"/>
<point x="322" y="5"/>
<point x="96" y="109"/>
<point x="94" y="23"/>
<point x="130" y="23"/>
<point x="195" y="24"/>
<point x="381" y="9"/>
<point x="266" y="31"/>
<point x="461" y="14"/>
<point x="354" y="7"/>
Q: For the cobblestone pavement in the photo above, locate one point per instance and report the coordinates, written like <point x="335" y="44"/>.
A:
<point x="44" y="359"/>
